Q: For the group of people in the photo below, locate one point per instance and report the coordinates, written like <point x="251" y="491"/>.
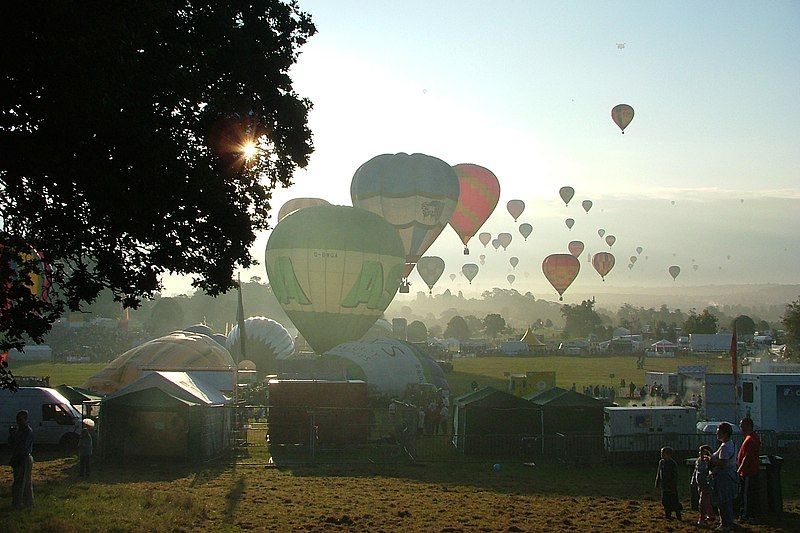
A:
<point x="20" y="439"/>
<point x="721" y="477"/>
<point x="433" y="419"/>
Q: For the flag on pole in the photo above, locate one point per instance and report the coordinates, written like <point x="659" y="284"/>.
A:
<point x="240" y="321"/>
<point x="734" y="358"/>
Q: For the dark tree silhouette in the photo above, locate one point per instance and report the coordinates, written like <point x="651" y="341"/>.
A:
<point x="123" y="129"/>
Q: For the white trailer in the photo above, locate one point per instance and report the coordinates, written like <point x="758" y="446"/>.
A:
<point x="647" y="428"/>
<point x="771" y="400"/>
<point x="719" y="398"/>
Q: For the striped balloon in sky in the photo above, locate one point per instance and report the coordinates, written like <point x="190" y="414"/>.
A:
<point x="334" y="270"/>
<point x="415" y="193"/>
<point x="478" y="196"/>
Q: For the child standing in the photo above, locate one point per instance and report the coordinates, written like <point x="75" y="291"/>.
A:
<point x="700" y="480"/>
<point x="667" y="481"/>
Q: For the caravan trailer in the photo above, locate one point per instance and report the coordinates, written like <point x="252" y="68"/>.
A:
<point x="646" y="428"/>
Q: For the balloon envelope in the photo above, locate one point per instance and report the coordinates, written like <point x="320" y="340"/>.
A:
<point x="478" y="196"/>
<point x="633" y="259"/>
<point x="525" y="230"/>
<point x="430" y="269"/>
<point x="561" y="270"/>
<point x="575" y="248"/>
<point x="470" y="270"/>
<point x="485" y="238"/>
<point x="566" y="194"/>
<point x="266" y="341"/>
<point x="334" y="271"/>
<point x="603" y="262"/>
<point x="452" y="277"/>
<point x="569" y="222"/>
<point x="587" y="205"/>
<point x="622" y="115"/>
<point x="610" y="240"/>
<point x="515" y="208"/>
<point x="415" y="193"/>
<point x="299" y="203"/>
<point x="496" y="243"/>
<point x="639" y="249"/>
<point x="514" y="262"/>
<point x="601" y="232"/>
<point x="505" y="240"/>
<point x="674" y="270"/>
<point x="511" y="278"/>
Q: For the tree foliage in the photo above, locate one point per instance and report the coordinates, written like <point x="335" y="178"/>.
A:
<point x="123" y="129"/>
<point x="791" y="321"/>
<point x="494" y="325"/>
<point x="744" y="325"/>
<point x="416" y="332"/>
<point x="581" y="320"/>
<point x="457" y="328"/>
<point x="705" y="322"/>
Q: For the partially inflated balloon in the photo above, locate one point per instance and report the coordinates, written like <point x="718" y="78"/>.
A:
<point x="505" y="240"/>
<point x="566" y="194"/>
<point x="485" y="238"/>
<point x="674" y="270"/>
<point x="334" y="271"/>
<point x="416" y="194"/>
<point x="610" y="240"/>
<point x="603" y="262"/>
<point x="622" y="115"/>
<point x="514" y="262"/>
<point x="299" y="203"/>
<point x="430" y="269"/>
<point x="587" y="205"/>
<point x="525" y="230"/>
<point x="479" y="192"/>
<point x="515" y="208"/>
<point x="575" y="248"/>
<point x="569" y="222"/>
<point x="470" y="270"/>
<point x="561" y="270"/>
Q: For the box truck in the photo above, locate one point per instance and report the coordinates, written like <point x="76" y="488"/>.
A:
<point x="52" y="418"/>
<point x="646" y="428"/>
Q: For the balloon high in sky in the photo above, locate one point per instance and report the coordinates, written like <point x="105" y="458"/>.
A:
<point x="479" y="192"/>
<point x="622" y="115"/>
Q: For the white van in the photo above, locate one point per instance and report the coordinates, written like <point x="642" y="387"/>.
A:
<point x="52" y="418"/>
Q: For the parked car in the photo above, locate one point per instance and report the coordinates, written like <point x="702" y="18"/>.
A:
<point x="710" y="426"/>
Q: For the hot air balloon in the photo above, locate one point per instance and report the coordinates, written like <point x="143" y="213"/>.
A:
<point x="482" y="257"/>
<point x="639" y="250"/>
<point x="622" y="115"/>
<point x="525" y="230"/>
<point x="603" y="262"/>
<point x="514" y="262"/>
<point x="566" y="194"/>
<point x="575" y="248"/>
<point x="430" y="269"/>
<point x="610" y="240"/>
<point x="479" y="192"/>
<point x="299" y="203"/>
<point x="267" y="340"/>
<point x="633" y="259"/>
<point x="630" y="266"/>
<point x="695" y="267"/>
<point x="452" y="277"/>
<point x="515" y="208"/>
<point x="587" y="205"/>
<point x="511" y="278"/>
<point x="334" y="271"/>
<point x="674" y="270"/>
<point x="416" y="194"/>
<point x="29" y="264"/>
<point x="601" y="232"/>
<point x="561" y="270"/>
<point x="470" y="270"/>
<point x="496" y="243"/>
<point x="505" y="240"/>
<point x="485" y="238"/>
<point x="569" y="222"/>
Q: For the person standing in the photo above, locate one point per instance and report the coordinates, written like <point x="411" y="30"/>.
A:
<point x="21" y="441"/>
<point x="748" y="466"/>
<point x="667" y="481"/>
<point x="85" y="452"/>
<point x="724" y="480"/>
<point x="700" y="481"/>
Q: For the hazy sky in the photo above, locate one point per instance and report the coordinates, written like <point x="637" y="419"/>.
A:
<point x="707" y="174"/>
